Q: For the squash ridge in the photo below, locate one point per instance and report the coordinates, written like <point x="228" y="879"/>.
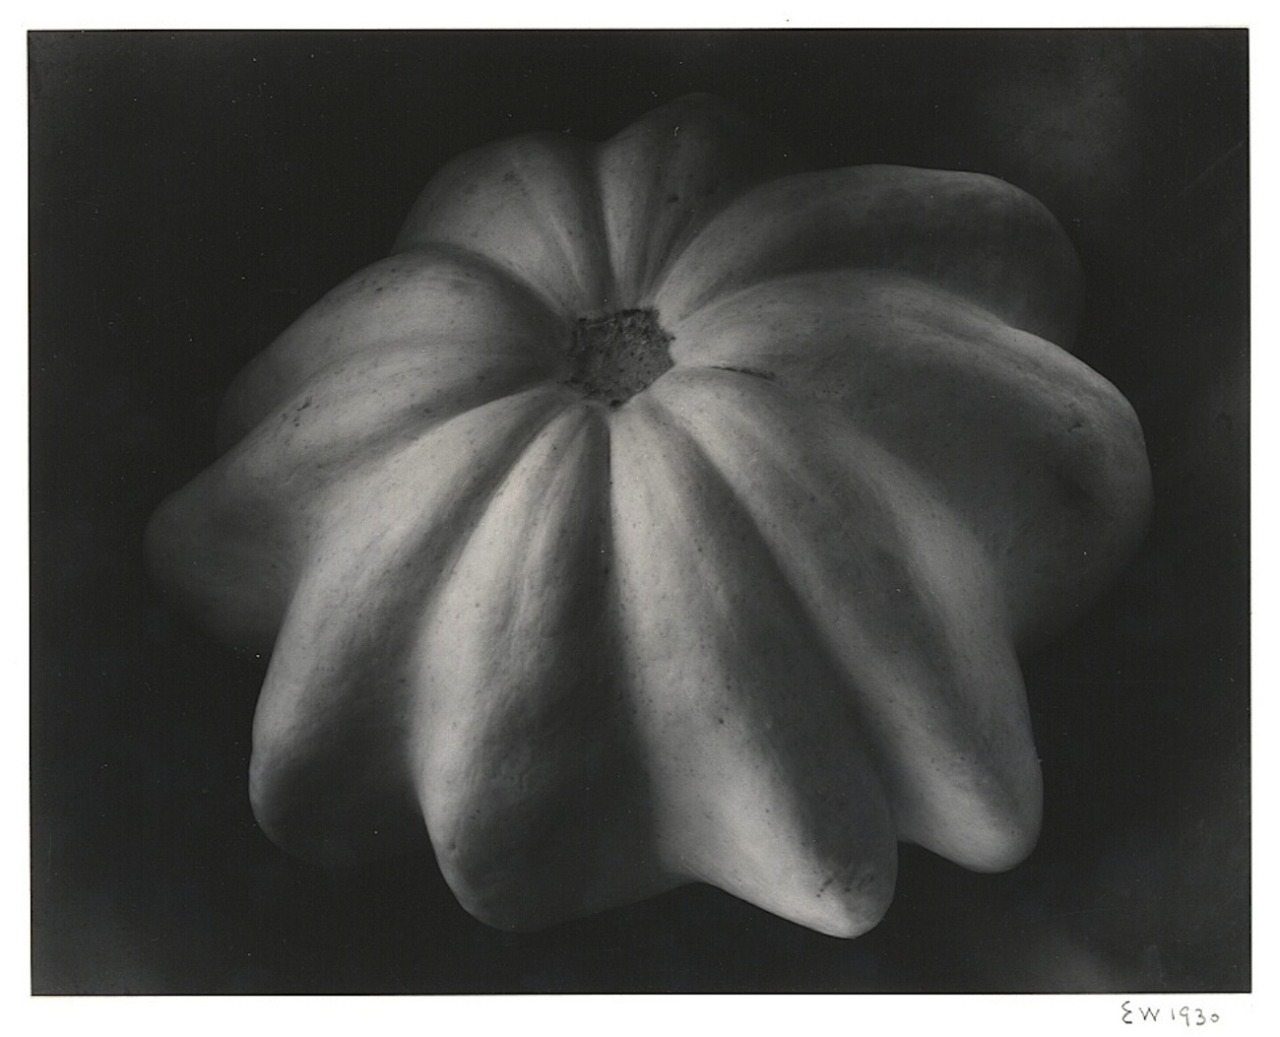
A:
<point x="859" y="216"/>
<point x="295" y="357"/>
<point x="571" y="170"/>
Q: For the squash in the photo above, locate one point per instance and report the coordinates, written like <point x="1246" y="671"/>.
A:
<point x="663" y="511"/>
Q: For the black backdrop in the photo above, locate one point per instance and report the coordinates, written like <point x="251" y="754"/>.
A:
<point x="191" y="193"/>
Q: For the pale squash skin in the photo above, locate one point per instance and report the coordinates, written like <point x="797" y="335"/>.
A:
<point x="752" y="627"/>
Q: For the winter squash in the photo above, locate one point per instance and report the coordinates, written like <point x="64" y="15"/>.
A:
<point x="662" y="511"/>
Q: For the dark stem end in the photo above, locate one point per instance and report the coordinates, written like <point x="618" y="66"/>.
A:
<point x="612" y="358"/>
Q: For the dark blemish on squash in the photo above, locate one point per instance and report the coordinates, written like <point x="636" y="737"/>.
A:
<point x="754" y="372"/>
<point x="1072" y="491"/>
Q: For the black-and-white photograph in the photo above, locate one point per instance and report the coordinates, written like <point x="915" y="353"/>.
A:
<point x="672" y="511"/>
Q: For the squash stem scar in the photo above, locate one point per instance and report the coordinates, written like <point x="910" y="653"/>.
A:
<point x="614" y="357"/>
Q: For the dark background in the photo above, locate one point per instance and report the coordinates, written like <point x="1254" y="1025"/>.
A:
<point x="192" y="193"/>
